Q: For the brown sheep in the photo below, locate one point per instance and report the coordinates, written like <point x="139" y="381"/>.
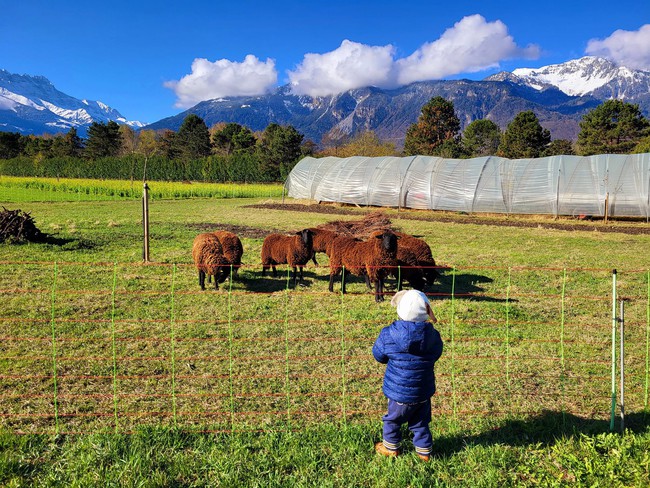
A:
<point x="209" y="259"/>
<point x="373" y="259"/>
<point x="409" y="269"/>
<point x="422" y="253"/>
<point x="322" y="238"/>
<point x="293" y="250"/>
<point x="232" y="248"/>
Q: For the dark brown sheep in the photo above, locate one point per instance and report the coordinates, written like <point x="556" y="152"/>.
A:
<point x="373" y="259"/>
<point x="232" y="249"/>
<point x="422" y="253"/>
<point x="293" y="250"/>
<point x="409" y="269"/>
<point x="322" y="238"/>
<point x="209" y="259"/>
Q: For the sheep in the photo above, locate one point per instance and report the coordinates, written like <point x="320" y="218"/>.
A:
<point x="295" y="250"/>
<point x="209" y="259"/>
<point x="422" y="254"/>
<point x="373" y="259"/>
<point x="409" y="269"/>
<point x="232" y="249"/>
<point x="322" y="238"/>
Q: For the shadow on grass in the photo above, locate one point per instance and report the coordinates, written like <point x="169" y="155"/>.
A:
<point x="254" y="281"/>
<point x="544" y="429"/>
<point x="463" y="287"/>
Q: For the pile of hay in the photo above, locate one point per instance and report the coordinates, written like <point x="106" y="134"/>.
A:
<point x="360" y="229"/>
<point x="18" y="226"/>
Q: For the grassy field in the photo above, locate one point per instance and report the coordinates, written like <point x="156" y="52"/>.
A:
<point x="129" y="373"/>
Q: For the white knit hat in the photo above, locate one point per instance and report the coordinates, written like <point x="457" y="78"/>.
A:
<point x="411" y="305"/>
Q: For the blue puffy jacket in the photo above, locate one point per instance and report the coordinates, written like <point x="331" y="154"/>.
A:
<point x="410" y="350"/>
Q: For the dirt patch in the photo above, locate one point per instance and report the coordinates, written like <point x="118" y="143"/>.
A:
<point x="241" y="230"/>
<point x="597" y="225"/>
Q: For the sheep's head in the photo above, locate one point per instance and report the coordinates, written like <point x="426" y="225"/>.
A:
<point x="388" y="241"/>
<point x="307" y="237"/>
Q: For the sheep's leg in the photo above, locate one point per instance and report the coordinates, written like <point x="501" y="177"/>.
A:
<point x="313" y="258"/>
<point x="216" y="282"/>
<point x="333" y="274"/>
<point x="202" y="279"/>
<point x="367" y="279"/>
<point x="343" y="280"/>
<point x="265" y="267"/>
<point x="379" y="290"/>
<point x="302" y="281"/>
<point x="275" y="272"/>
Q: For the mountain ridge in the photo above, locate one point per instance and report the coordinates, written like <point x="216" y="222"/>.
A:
<point x="32" y="104"/>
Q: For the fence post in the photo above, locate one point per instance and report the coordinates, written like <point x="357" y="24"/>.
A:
<point x="52" y="323"/>
<point x="563" y="373"/>
<point x="622" y="324"/>
<point x="145" y="221"/>
<point x="173" y="349"/>
<point x="613" y="409"/>
<point x="114" y="347"/>
<point x="286" y="348"/>
<point x="230" y="360"/>
<point x="453" y="348"/>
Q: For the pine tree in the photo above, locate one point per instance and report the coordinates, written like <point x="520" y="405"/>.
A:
<point x="435" y="132"/>
<point x="193" y="138"/>
<point x="614" y="127"/>
<point x="104" y="140"/>
<point x="524" y="137"/>
<point x="481" y="138"/>
<point x="279" y="150"/>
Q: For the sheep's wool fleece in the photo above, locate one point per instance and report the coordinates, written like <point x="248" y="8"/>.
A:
<point x="411" y="305"/>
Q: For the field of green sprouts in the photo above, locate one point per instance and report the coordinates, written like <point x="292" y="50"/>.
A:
<point x="258" y="384"/>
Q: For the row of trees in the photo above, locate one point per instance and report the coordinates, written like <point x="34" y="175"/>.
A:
<point x="232" y="152"/>
<point x="614" y="127"/>
<point x="265" y="156"/>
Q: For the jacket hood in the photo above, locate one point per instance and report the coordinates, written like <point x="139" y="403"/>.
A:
<point x="412" y="337"/>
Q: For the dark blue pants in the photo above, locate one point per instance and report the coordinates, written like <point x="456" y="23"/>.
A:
<point x="417" y="416"/>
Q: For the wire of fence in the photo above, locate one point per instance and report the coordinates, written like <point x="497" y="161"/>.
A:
<point x="94" y="347"/>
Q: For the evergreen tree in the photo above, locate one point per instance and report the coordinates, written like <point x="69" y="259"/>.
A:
<point x="614" y="127"/>
<point x="278" y="151"/>
<point x="233" y="137"/>
<point x="437" y="130"/>
<point x="524" y="137"/>
<point x="558" y="147"/>
<point x="481" y="138"/>
<point x="11" y="144"/>
<point x="69" y="145"/>
<point x="104" y="140"/>
<point x="193" y="138"/>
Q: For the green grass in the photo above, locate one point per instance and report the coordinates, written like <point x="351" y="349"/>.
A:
<point x="257" y="384"/>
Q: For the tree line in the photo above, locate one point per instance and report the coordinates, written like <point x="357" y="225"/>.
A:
<point x="233" y="152"/>
<point x="225" y="152"/>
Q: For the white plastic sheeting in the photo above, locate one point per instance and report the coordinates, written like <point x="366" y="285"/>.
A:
<point x="557" y="185"/>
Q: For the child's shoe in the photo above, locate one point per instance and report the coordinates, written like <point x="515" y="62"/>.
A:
<point x="424" y="457"/>
<point x="384" y="451"/>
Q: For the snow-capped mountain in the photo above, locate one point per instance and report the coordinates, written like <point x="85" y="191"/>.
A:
<point x="592" y="76"/>
<point x="32" y="105"/>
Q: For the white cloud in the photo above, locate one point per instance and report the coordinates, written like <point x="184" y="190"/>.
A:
<point x="224" y="78"/>
<point x="471" y="45"/>
<point x="626" y="48"/>
<point x="351" y="65"/>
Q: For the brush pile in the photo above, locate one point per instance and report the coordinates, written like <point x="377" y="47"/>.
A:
<point x="18" y="226"/>
<point x="360" y="229"/>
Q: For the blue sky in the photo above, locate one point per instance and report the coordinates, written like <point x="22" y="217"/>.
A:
<point x="153" y="59"/>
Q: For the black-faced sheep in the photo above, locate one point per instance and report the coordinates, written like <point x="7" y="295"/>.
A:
<point x="322" y="238"/>
<point x="373" y="259"/>
<point x="422" y="253"/>
<point x="293" y="250"/>
<point x="209" y="259"/>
